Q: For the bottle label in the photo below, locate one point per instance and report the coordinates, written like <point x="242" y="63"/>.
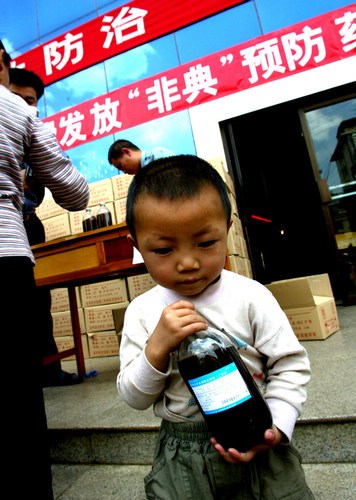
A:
<point x="220" y="390"/>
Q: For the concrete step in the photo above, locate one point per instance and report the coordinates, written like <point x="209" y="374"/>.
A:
<point x="318" y="442"/>
<point x="331" y="481"/>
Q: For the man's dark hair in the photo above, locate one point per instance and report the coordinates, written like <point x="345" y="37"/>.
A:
<point x="26" y="78"/>
<point x="6" y="56"/>
<point x="174" y="178"/>
<point x="115" y="150"/>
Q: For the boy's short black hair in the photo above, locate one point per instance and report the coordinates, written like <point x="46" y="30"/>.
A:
<point x="26" y="78"/>
<point x="173" y="178"/>
<point x="6" y="56"/>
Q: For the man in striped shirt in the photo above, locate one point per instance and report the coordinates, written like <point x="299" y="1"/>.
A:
<point x="25" y="139"/>
<point x="30" y="87"/>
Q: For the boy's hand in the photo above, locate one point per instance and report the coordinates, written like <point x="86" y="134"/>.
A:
<point x="176" y="322"/>
<point x="272" y="438"/>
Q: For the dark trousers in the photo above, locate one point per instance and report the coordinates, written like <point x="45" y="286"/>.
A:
<point x="26" y="469"/>
<point x="44" y="322"/>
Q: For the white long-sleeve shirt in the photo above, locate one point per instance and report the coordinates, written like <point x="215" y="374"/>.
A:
<point x="240" y="306"/>
<point x="25" y="139"/>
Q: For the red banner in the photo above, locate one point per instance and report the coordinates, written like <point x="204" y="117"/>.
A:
<point x="121" y="29"/>
<point x="313" y="43"/>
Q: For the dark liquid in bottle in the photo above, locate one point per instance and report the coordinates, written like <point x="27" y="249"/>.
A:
<point x="89" y="224"/>
<point x="242" y="426"/>
<point x="104" y="219"/>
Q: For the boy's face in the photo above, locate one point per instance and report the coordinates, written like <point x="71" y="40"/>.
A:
<point x="184" y="242"/>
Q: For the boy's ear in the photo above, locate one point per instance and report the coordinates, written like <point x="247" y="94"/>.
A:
<point x="229" y="225"/>
<point x="132" y="241"/>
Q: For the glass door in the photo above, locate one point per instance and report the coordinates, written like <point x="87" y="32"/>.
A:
<point x="330" y="133"/>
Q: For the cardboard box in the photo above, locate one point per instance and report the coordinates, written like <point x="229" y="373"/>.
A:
<point x="67" y="342"/>
<point x="120" y="185"/>
<point x="235" y="241"/>
<point x="219" y="165"/>
<point x="309" y="305"/>
<point x="301" y="292"/>
<point x="316" y="322"/>
<point x="57" y="227"/>
<point x="49" y="208"/>
<point x="62" y="323"/>
<point x="101" y="344"/>
<point x="60" y="299"/>
<point x="100" y="318"/>
<point x="234" y="209"/>
<point x="100" y="192"/>
<point x="120" y="210"/>
<point x="139" y="284"/>
<point x="240" y="265"/>
<point x="76" y="221"/>
<point x="104" y="292"/>
<point x="119" y="316"/>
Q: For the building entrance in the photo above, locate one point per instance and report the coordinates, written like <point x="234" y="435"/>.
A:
<point x="287" y="205"/>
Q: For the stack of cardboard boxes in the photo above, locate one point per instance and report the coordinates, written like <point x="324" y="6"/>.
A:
<point x="101" y="309"/>
<point x="62" y="324"/>
<point x="237" y="249"/>
<point x="99" y="300"/>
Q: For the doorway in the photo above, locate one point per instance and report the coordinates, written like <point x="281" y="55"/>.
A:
<point x="284" y="200"/>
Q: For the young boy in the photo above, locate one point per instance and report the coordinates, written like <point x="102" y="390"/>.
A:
<point x="179" y="215"/>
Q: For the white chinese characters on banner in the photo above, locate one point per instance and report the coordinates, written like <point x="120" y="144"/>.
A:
<point x="72" y="124"/>
<point x="123" y="27"/>
<point x="198" y="79"/>
<point x="347" y="30"/>
<point x="58" y="54"/>
<point x="105" y="117"/>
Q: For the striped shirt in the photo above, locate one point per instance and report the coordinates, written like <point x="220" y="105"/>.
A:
<point x="25" y="139"/>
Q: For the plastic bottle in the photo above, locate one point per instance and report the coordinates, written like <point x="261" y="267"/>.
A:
<point x="103" y="216"/>
<point x="228" y="397"/>
<point x="89" y="220"/>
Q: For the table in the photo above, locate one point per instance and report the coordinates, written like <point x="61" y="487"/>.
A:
<point x="80" y="259"/>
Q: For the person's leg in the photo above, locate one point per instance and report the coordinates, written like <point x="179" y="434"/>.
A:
<point x="48" y="345"/>
<point x="25" y="448"/>
<point x="187" y="466"/>
<point x="52" y="373"/>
